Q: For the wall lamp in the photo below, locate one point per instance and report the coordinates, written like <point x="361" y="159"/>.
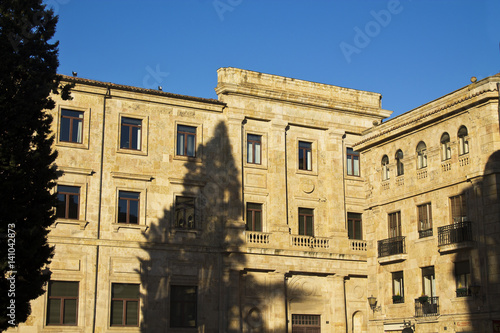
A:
<point x="373" y="303"/>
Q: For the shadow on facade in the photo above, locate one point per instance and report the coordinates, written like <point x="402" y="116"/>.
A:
<point x="192" y="272"/>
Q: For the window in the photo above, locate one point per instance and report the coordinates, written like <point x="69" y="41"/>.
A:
<point x="130" y="133"/>
<point x="421" y="155"/>
<point x="354" y="229"/>
<point x="463" y="140"/>
<point x="185" y="212"/>
<point x="424" y="220"/>
<point x="428" y="281"/>
<point x="399" y="163"/>
<point x="186" y="141"/>
<point x="385" y="167"/>
<point x="254" y="216"/>
<point x="397" y="287"/>
<point x="462" y="278"/>
<point x="68" y="202"/>
<point x="306" y="220"/>
<point x="125" y="304"/>
<point x="352" y="162"/>
<point x="458" y="208"/>
<point x="254" y="151"/>
<point x="62" y="304"/>
<point x="183" y="306"/>
<point x="306" y="323"/>
<point x="305" y="155"/>
<point x="394" y="224"/>
<point x="71" y="126"/>
<point x="128" y="207"/>
<point x="445" y="147"/>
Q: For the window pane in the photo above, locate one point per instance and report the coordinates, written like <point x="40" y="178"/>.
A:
<point x="125" y="137"/>
<point x="132" y="312"/>
<point x="258" y="225"/>
<point x="70" y="311"/>
<point x="190" y="145"/>
<point x="301" y="225"/>
<point x="309" y="229"/>
<point x="356" y="166"/>
<point x="73" y="206"/>
<point x="122" y="210"/>
<point x="53" y="311"/>
<point x="188" y="129"/>
<point x="61" y="205"/>
<point x="116" y="312"/>
<point x="357" y="228"/>
<point x="136" y="138"/>
<point x="76" y="131"/>
<point x="301" y="159"/>
<point x="309" y="160"/>
<point x="129" y="195"/>
<point x="134" y="211"/>
<point x="350" y="229"/>
<point x="64" y="130"/>
<point x="125" y="290"/>
<point x="257" y="153"/>
<point x="180" y="144"/>
<point x="249" y="152"/>
<point x="349" y="165"/>
<point x="63" y="289"/>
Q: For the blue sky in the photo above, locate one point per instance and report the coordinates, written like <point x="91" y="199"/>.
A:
<point x="409" y="51"/>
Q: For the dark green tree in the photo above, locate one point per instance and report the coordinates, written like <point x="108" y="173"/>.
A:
<point x="28" y="64"/>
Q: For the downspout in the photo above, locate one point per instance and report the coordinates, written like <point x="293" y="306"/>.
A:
<point x="286" y="180"/>
<point x="345" y="307"/>
<point x="243" y="122"/>
<point x="107" y="95"/>
<point x="286" y="301"/>
<point x="343" y="179"/>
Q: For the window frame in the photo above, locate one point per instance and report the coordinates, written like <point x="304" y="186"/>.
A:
<point x="398" y="277"/>
<point x="127" y="214"/>
<point x="458" y="211"/>
<point x="424" y="215"/>
<point x="303" y="214"/>
<point x="385" y="168"/>
<point x="62" y="304"/>
<point x="351" y="156"/>
<point x="307" y="164"/>
<point x="174" y="304"/>
<point x="183" y="207"/>
<point x="253" y="143"/>
<point x="351" y="225"/>
<point x="429" y="271"/>
<point x="130" y="133"/>
<point x="71" y="120"/>
<point x="399" y="163"/>
<point x="465" y="274"/>
<point x="394" y="224"/>
<point x="253" y="215"/>
<point x="463" y="140"/>
<point x="421" y="150"/>
<point x="67" y="202"/>
<point x="445" y="147"/>
<point x="186" y="135"/>
<point x="125" y="300"/>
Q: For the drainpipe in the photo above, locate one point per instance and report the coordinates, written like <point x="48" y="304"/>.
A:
<point x="343" y="179"/>
<point x="286" y="180"/>
<point x="244" y="121"/>
<point x="107" y="95"/>
<point x="286" y="301"/>
<point x="345" y="307"/>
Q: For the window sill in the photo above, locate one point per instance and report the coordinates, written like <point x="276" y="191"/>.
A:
<point x="255" y="166"/>
<point x="60" y="328"/>
<point x="117" y="226"/>
<point x="80" y="223"/>
<point x="132" y="151"/>
<point x="188" y="158"/>
<point x="72" y="145"/>
<point x="307" y="172"/>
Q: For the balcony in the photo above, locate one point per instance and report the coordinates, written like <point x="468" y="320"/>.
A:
<point x="429" y="307"/>
<point x="310" y="242"/>
<point x="391" y="250"/>
<point x="455" y="237"/>
<point x="256" y="237"/>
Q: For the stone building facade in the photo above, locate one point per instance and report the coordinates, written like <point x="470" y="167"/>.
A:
<point x="267" y="210"/>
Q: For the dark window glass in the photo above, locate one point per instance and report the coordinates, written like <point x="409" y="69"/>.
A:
<point x="463" y="141"/>
<point x="421" y="155"/>
<point x="254" y="150"/>
<point x="458" y="208"/>
<point x="183" y="306"/>
<point x="62" y="303"/>
<point x="71" y="128"/>
<point x="424" y="220"/>
<point x="354" y="226"/>
<point x="385" y="167"/>
<point x="305" y="155"/>
<point x="445" y="147"/>
<point x="394" y="224"/>
<point x="128" y="207"/>
<point x="131" y="133"/>
<point x="352" y="162"/>
<point x="125" y="302"/>
<point x="306" y="220"/>
<point x="68" y="202"/>
<point x="185" y="213"/>
<point x="186" y="140"/>
<point x="397" y="287"/>
<point x="462" y="278"/>
<point x="399" y="163"/>
<point x="254" y="217"/>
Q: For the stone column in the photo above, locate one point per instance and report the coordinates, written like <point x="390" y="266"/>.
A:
<point x="338" y="322"/>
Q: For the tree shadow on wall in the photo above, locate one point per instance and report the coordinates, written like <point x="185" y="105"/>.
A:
<point x="191" y="274"/>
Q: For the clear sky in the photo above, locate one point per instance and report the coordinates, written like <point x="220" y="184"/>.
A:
<point x="409" y="51"/>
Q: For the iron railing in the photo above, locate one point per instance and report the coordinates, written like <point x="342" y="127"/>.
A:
<point x="455" y="233"/>
<point x="424" y="233"/>
<point x="429" y="307"/>
<point x="391" y="246"/>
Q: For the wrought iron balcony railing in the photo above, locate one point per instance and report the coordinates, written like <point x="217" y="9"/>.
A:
<point x="425" y="233"/>
<point x="391" y="246"/>
<point x="455" y="233"/>
<point x="429" y="307"/>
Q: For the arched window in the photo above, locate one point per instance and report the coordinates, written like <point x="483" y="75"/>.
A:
<point x="399" y="162"/>
<point x="421" y="155"/>
<point x="463" y="140"/>
<point x="445" y="147"/>
<point x="385" y="167"/>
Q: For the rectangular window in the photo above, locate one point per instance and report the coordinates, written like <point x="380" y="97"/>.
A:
<point x="254" y="216"/>
<point x="128" y="207"/>
<point x="125" y="304"/>
<point x="302" y="323"/>
<point x="306" y="220"/>
<point x="354" y="229"/>
<point x="462" y="278"/>
<point x="424" y="220"/>
<point x="352" y="162"/>
<point x="185" y="212"/>
<point x="183" y="306"/>
<point x="68" y="202"/>
<point x="305" y="155"/>
<point x="428" y="281"/>
<point x="254" y="151"/>
<point x="395" y="224"/>
<point x="62" y="303"/>
<point x="71" y="128"/>
<point x="397" y="287"/>
<point x="131" y="133"/>
<point x="458" y="208"/>
<point x="186" y="140"/>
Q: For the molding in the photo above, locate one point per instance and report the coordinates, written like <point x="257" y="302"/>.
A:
<point x="132" y="176"/>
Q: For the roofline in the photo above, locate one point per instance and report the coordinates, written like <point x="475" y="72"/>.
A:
<point x="96" y="83"/>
